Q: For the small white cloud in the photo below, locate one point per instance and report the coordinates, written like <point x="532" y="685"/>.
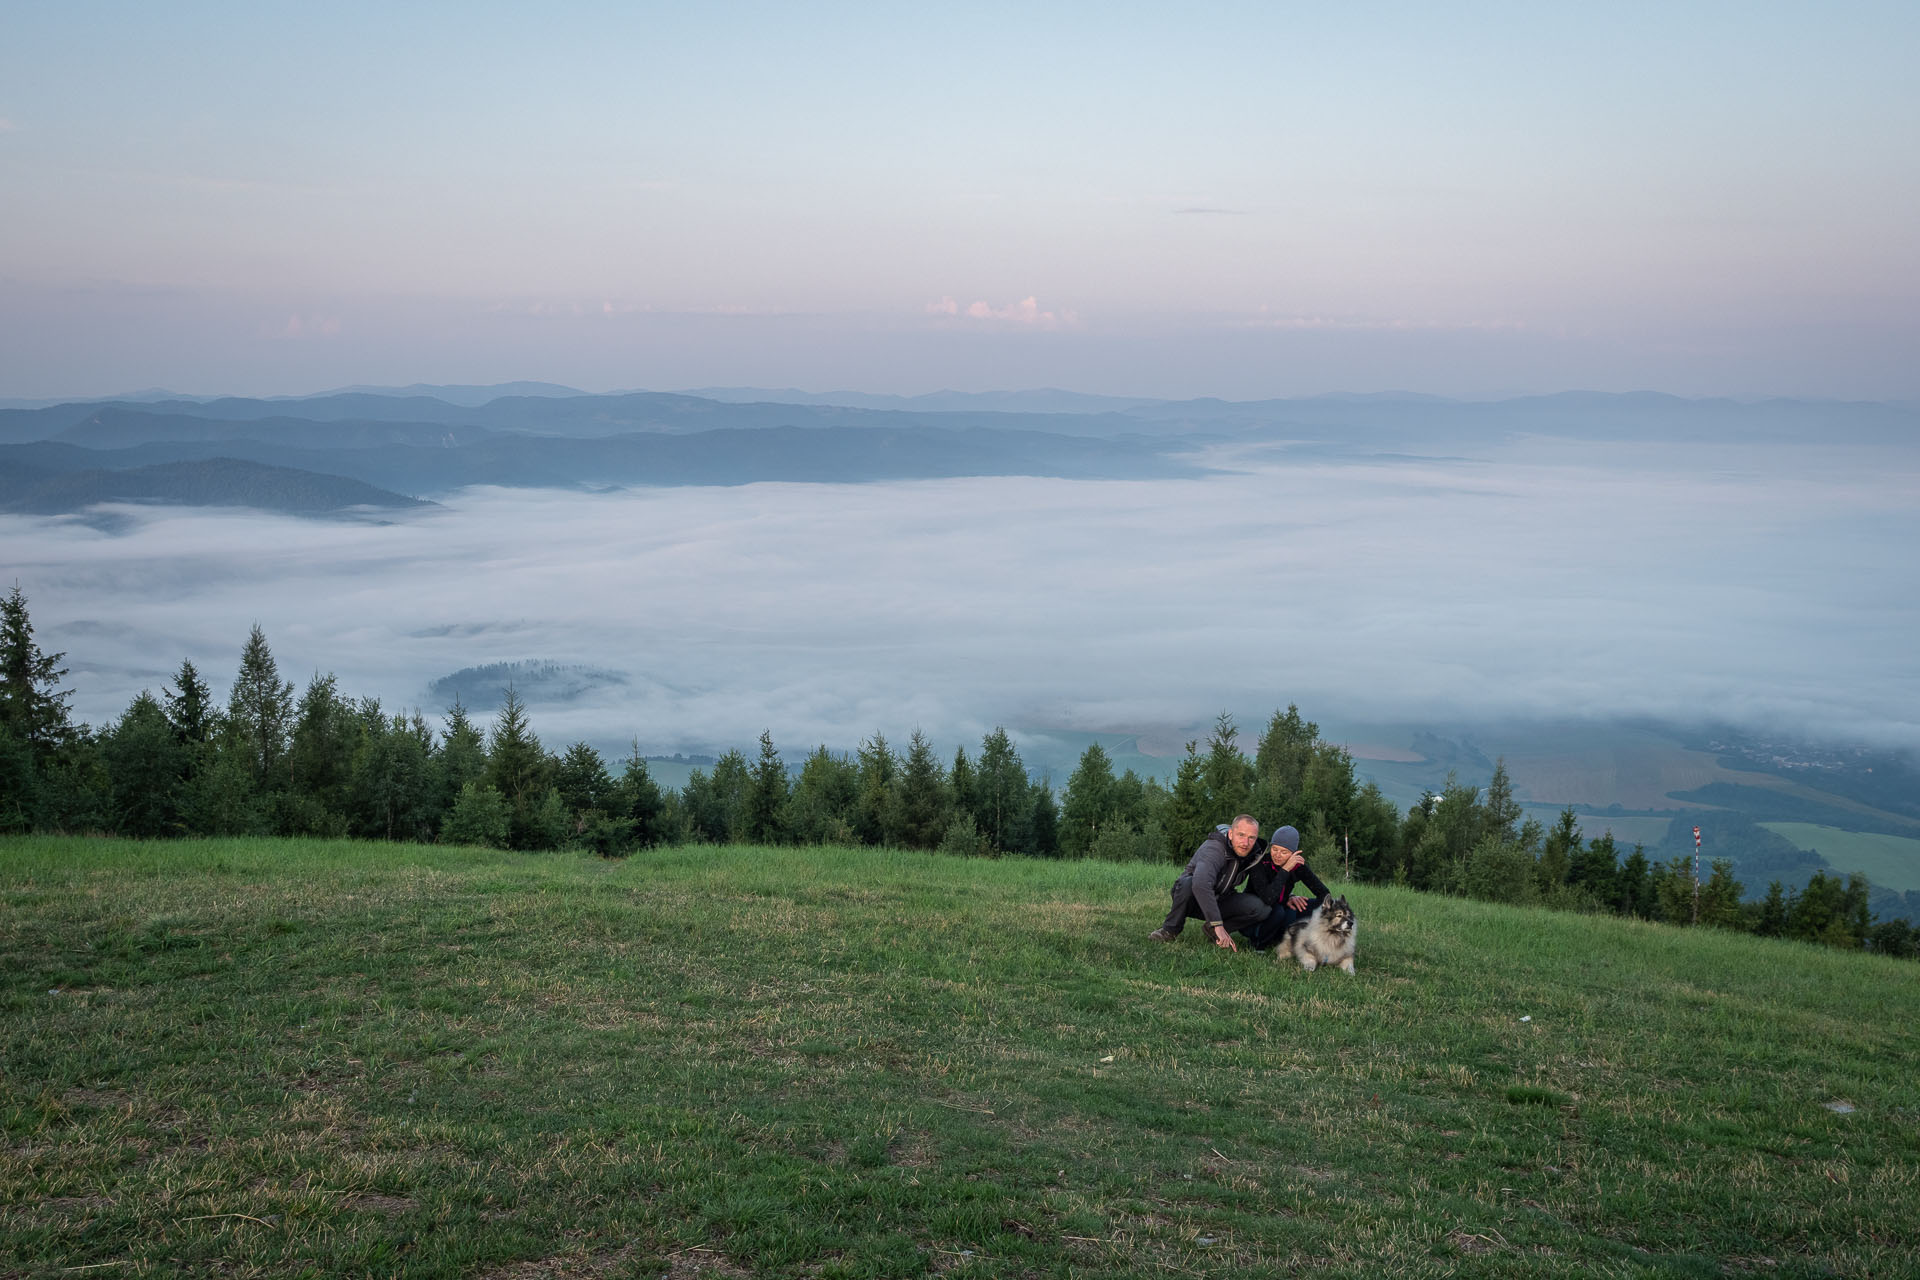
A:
<point x="299" y="326"/>
<point x="1025" y="314"/>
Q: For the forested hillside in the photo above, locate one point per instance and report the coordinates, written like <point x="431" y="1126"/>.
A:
<point x="318" y="762"/>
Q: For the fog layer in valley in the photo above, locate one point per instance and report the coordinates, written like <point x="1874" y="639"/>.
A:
<point x="1772" y="587"/>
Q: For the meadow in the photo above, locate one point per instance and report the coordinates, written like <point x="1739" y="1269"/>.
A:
<point x="329" y="1058"/>
<point x="1890" y="862"/>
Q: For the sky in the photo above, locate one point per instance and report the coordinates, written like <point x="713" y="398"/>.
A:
<point x="1238" y="200"/>
<point x="1537" y="579"/>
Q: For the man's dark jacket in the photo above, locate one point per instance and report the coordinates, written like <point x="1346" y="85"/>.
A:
<point x="1214" y="870"/>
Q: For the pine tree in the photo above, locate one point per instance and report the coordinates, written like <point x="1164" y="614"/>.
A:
<point x="920" y="816"/>
<point x="1503" y="811"/>
<point x="1772" y="920"/>
<point x="519" y="769"/>
<point x="1005" y="805"/>
<point x="260" y="711"/>
<point x="1327" y="788"/>
<point x="825" y="796"/>
<point x="190" y="706"/>
<point x="1044" y="822"/>
<point x="33" y="707"/>
<point x="1375" y="836"/>
<point x="582" y="780"/>
<point x="516" y="763"/>
<point x="1226" y="774"/>
<point x="478" y="816"/>
<point x="147" y="766"/>
<point x="961" y="789"/>
<point x="1634" y="893"/>
<point x="641" y="803"/>
<point x="1089" y="801"/>
<point x="720" y="817"/>
<point x="463" y="754"/>
<point x="1720" y="897"/>
<point x="1280" y="766"/>
<point x="326" y="735"/>
<point x="1596" y="870"/>
<point x="878" y="765"/>
<point x="763" y="808"/>
<point x="1188" y="817"/>
<point x="395" y="790"/>
<point x="1557" y="853"/>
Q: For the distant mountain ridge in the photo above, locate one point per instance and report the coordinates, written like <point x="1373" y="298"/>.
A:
<point x="407" y="440"/>
<point x="41" y="487"/>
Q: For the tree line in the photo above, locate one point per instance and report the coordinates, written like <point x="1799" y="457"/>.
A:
<point x="276" y="761"/>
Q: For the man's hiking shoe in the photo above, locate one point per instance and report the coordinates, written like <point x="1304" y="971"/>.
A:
<point x="1162" y="935"/>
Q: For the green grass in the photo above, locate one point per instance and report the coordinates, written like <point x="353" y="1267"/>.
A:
<point x="287" y="1058"/>
<point x="1888" y="862"/>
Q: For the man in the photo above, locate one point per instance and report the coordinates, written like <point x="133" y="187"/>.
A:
<point x="1272" y="882"/>
<point x="1205" y="888"/>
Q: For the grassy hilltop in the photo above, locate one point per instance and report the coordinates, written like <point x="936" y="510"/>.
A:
<point x="276" y="1057"/>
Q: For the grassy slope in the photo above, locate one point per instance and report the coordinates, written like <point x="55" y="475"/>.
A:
<point x="1888" y="862"/>
<point x="270" y="1056"/>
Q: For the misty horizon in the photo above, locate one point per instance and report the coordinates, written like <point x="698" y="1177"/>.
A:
<point x="1539" y="579"/>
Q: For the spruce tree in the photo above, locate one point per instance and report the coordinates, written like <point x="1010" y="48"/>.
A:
<point x="1772" y="920"/>
<point x="1188" y="818"/>
<point x="582" y="780"/>
<point x="33" y="707"/>
<point x="1720" y="897"/>
<point x="478" y="816"/>
<point x="519" y="769"/>
<point x="1375" y="835"/>
<point x="825" y="796"/>
<point x="1227" y="775"/>
<point x="960" y="783"/>
<point x="878" y="765"/>
<point x="260" y="711"/>
<point x="1044" y="822"/>
<point x="326" y="736"/>
<point x="763" y="807"/>
<point x="147" y="766"/>
<point x="920" y="811"/>
<point x="190" y="706"/>
<point x="640" y="802"/>
<point x="1327" y="788"/>
<point x="1557" y="853"/>
<point x="1280" y="765"/>
<point x="1502" y="810"/>
<point x="1089" y="803"/>
<point x="463" y="753"/>
<point x="1633" y="891"/>
<point x="1005" y="804"/>
<point x="394" y="792"/>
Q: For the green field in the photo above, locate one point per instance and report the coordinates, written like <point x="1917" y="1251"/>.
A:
<point x="1888" y="862"/>
<point x="286" y="1058"/>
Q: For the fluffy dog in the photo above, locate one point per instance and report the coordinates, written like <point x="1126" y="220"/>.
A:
<point x="1325" y="937"/>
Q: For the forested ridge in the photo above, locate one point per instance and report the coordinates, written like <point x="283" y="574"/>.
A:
<point x="274" y="761"/>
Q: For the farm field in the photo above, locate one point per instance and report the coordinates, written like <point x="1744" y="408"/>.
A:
<point x="1889" y="862"/>
<point x="330" y="1058"/>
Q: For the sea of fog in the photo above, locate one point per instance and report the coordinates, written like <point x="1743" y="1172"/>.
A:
<point x="1774" y="587"/>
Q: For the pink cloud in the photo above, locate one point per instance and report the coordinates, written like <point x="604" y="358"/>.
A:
<point x="1025" y="314"/>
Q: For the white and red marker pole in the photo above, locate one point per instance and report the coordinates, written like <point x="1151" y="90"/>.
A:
<point x="1696" y="875"/>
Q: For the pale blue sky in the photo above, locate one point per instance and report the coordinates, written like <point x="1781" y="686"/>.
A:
<point x="1238" y="200"/>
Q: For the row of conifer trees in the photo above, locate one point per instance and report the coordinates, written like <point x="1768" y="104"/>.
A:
<point x="273" y="761"/>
